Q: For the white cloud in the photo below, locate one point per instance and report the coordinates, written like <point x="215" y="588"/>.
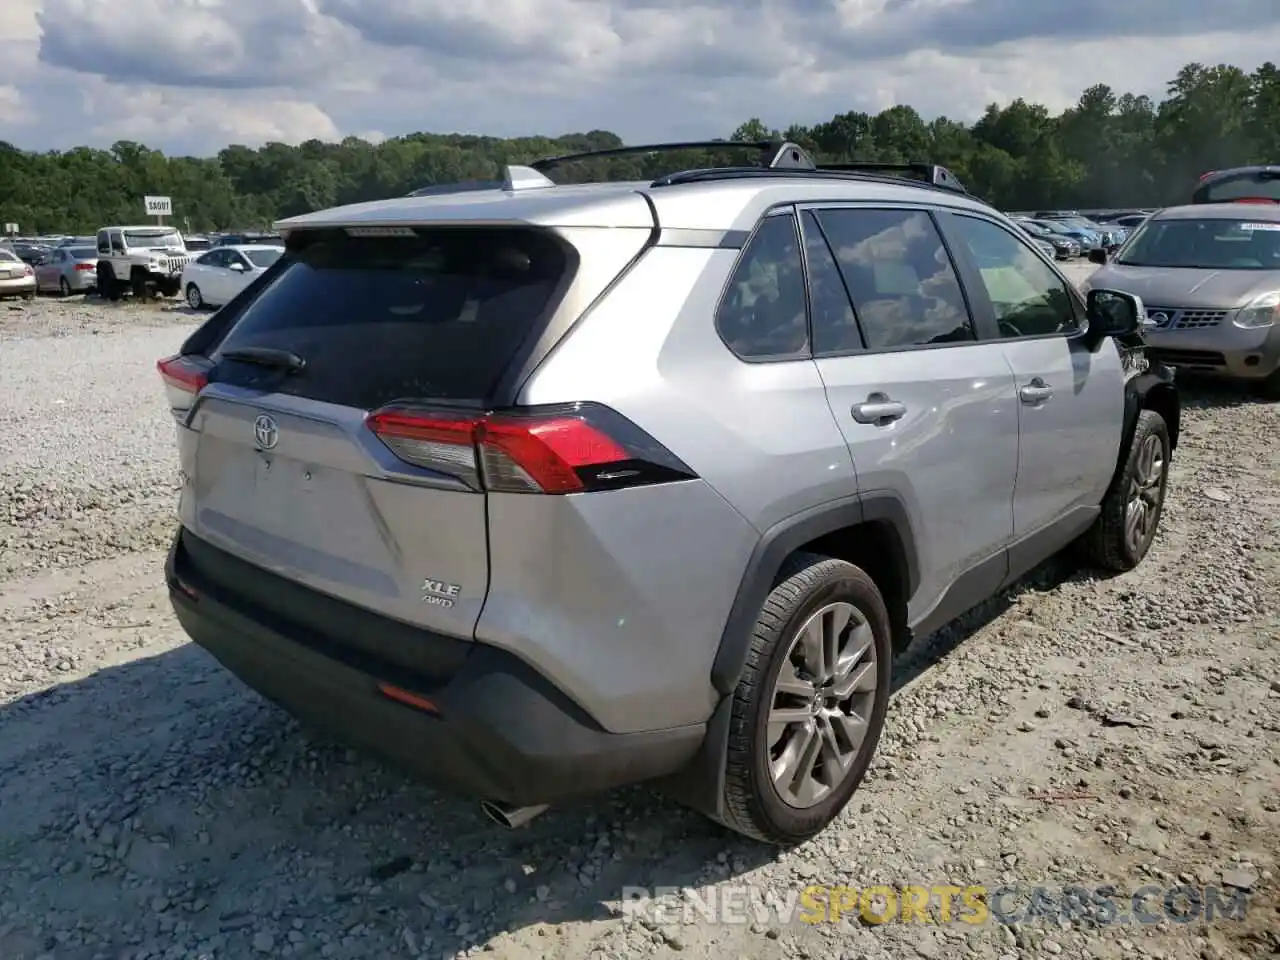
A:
<point x="195" y="75"/>
<point x="155" y="116"/>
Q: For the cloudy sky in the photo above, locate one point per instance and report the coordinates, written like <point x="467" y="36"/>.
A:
<point x="194" y="75"/>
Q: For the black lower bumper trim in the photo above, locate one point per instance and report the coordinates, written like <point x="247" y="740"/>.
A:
<point x="503" y="732"/>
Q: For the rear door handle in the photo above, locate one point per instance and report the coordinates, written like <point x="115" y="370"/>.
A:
<point x="1037" y="391"/>
<point x="878" y="409"/>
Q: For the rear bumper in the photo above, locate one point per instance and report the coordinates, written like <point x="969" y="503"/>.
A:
<point x="501" y="732"/>
<point x="17" y="285"/>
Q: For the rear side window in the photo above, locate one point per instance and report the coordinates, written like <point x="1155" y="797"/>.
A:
<point x="439" y="315"/>
<point x="904" y="288"/>
<point x="835" y="328"/>
<point x="763" y="315"/>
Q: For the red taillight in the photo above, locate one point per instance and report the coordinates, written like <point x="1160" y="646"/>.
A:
<point x="28" y="271"/>
<point x="86" y="267"/>
<point x="1264" y="200"/>
<point x="183" y="378"/>
<point x="178" y="371"/>
<point x="1205" y="176"/>
<point x="563" y="450"/>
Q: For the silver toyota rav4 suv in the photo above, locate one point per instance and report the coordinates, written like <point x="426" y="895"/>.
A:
<point x="539" y="490"/>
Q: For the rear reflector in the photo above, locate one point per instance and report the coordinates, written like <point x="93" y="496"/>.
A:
<point x="408" y="698"/>
<point x="571" y="449"/>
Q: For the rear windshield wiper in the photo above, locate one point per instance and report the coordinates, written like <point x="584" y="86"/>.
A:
<point x="267" y="357"/>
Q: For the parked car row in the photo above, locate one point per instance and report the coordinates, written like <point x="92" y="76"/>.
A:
<point x="1071" y="233"/>
<point x="142" y="260"/>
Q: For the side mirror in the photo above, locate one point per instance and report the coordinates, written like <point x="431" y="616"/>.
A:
<point x="237" y="267"/>
<point x="1114" y="314"/>
<point x="1098" y="256"/>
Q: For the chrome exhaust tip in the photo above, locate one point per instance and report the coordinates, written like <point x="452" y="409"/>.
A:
<point x="511" y="817"/>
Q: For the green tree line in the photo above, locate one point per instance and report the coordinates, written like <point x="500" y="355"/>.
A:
<point x="1108" y="150"/>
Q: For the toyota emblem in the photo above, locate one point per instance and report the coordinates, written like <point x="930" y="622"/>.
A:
<point x="265" y="433"/>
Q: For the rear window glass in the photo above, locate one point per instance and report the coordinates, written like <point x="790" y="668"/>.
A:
<point x="1262" y="186"/>
<point x="436" y="316"/>
<point x="83" y="253"/>
<point x="8" y="257"/>
<point x="262" y="258"/>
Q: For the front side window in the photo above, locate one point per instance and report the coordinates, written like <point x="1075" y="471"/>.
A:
<point x="762" y="315"/>
<point x="1205" y="244"/>
<point x="904" y="287"/>
<point x="1029" y="298"/>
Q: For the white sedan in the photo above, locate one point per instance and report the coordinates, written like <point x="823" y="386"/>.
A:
<point x="214" y="278"/>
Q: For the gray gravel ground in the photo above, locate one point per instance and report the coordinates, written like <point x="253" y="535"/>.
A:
<point x="1077" y="731"/>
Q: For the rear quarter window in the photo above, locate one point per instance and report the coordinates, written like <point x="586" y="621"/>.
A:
<point x="440" y="315"/>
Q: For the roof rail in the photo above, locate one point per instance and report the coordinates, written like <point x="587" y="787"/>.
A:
<point x="930" y="173"/>
<point x="735" y="173"/>
<point x="773" y="154"/>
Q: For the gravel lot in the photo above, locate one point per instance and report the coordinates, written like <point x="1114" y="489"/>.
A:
<point x="1077" y="731"/>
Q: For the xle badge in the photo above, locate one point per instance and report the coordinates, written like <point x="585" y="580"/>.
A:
<point x="438" y="593"/>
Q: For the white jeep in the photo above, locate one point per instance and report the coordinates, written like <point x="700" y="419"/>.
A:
<point x="140" y="259"/>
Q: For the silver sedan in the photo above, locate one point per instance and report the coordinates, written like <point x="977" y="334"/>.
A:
<point x="68" y="270"/>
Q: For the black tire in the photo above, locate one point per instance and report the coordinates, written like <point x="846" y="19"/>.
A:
<point x="1107" y="544"/>
<point x="64" y="288"/>
<point x="171" y="288"/>
<point x="108" y="286"/>
<point x="195" y="300"/>
<point x="138" y="284"/>
<point x="753" y="805"/>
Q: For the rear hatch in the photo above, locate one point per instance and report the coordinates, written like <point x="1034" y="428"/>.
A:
<point x="287" y="471"/>
<point x="1239" y="185"/>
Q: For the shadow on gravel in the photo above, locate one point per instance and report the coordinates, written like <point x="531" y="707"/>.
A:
<point x="927" y="652"/>
<point x="1204" y="393"/>
<point x="165" y="779"/>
